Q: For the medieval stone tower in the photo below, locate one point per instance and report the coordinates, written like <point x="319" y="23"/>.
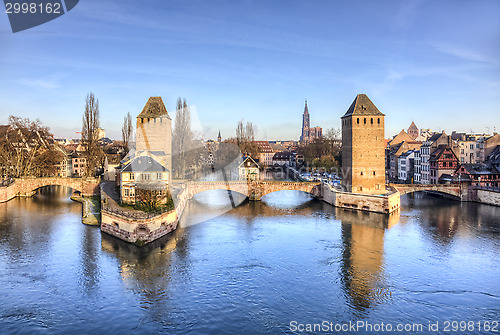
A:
<point x="363" y="152"/>
<point x="154" y="131"/>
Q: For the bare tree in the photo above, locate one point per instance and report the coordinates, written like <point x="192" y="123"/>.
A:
<point x="182" y="139"/>
<point x="323" y="152"/>
<point x="127" y="131"/>
<point x="90" y="135"/>
<point x="245" y="135"/>
<point x="27" y="149"/>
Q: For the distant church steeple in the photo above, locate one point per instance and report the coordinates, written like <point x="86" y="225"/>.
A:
<point x="304" y="137"/>
<point x="219" y="138"/>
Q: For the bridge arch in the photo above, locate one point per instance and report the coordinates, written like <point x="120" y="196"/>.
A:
<point x="452" y="190"/>
<point x="253" y="190"/>
<point x="86" y="186"/>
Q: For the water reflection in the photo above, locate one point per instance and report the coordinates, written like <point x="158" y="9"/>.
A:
<point x="150" y="270"/>
<point x="250" y="269"/>
<point x="451" y="218"/>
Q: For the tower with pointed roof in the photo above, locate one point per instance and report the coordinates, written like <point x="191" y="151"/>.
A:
<point x="219" y="138"/>
<point x="363" y="149"/>
<point x="154" y="131"/>
<point x="413" y="130"/>
<point x="304" y="137"/>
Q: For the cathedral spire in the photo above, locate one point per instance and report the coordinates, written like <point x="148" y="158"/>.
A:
<point x="306" y="111"/>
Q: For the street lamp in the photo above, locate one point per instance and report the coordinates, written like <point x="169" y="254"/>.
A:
<point x="460" y="184"/>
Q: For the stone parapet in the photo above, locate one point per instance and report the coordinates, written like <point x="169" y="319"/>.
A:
<point x="387" y="203"/>
<point x="25" y="187"/>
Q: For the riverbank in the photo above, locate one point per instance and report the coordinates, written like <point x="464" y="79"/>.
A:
<point x="91" y="209"/>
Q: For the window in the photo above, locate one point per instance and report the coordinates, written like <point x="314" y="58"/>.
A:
<point x="361" y="172"/>
<point x="364" y="120"/>
<point x="371" y="120"/>
<point x="145" y="176"/>
<point x="158" y="176"/>
<point x="126" y="192"/>
<point x="358" y="120"/>
<point x="373" y="172"/>
<point x="378" y="120"/>
<point x="131" y="176"/>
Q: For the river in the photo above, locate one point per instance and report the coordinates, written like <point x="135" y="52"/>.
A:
<point x="271" y="267"/>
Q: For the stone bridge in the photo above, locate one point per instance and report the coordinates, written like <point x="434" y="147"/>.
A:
<point x="453" y="189"/>
<point x="254" y="190"/>
<point x="26" y="186"/>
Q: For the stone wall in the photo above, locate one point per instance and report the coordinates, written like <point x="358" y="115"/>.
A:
<point x="485" y="197"/>
<point x="363" y="154"/>
<point x="155" y="134"/>
<point x="372" y="203"/>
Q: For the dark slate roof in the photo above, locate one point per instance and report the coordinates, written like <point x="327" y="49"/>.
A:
<point x="438" y="152"/>
<point x="143" y="164"/>
<point x="407" y="153"/>
<point x="154" y="108"/>
<point x="494" y="157"/>
<point x="395" y="148"/>
<point x="480" y="169"/>
<point x="435" y="137"/>
<point x="362" y="105"/>
<point x="456" y="136"/>
<point x="282" y="155"/>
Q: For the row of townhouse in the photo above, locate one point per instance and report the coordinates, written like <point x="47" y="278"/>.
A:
<point x="438" y="158"/>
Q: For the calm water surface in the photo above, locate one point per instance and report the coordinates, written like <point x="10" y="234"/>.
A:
<point x="249" y="270"/>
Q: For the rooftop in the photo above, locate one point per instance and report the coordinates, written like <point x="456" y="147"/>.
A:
<point x="143" y="164"/>
<point x="362" y="105"/>
<point x="154" y="108"/>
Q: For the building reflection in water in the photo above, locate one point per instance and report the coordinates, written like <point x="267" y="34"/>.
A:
<point x="28" y="223"/>
<point x="147" y="270"/>
<point x="362" y="246"/>
<point x="443" y="219"/>
<point x="362" y="268"/>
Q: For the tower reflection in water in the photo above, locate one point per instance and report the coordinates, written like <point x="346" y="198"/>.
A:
<point x="362" y="270"/>
<point x="151" y="269"/>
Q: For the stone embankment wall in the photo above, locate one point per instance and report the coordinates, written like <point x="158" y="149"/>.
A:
<point x="8" y="192"/>
<point x="372" y="203"/>
<point x="484" y="196"/>
<point x="139" y="228"/>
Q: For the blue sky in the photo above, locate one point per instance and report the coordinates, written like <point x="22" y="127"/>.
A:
<point x="434" y="62"/>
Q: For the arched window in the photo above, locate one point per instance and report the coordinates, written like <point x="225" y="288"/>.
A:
<point x="378" y="120"/>
<point x="358" y="120"/>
